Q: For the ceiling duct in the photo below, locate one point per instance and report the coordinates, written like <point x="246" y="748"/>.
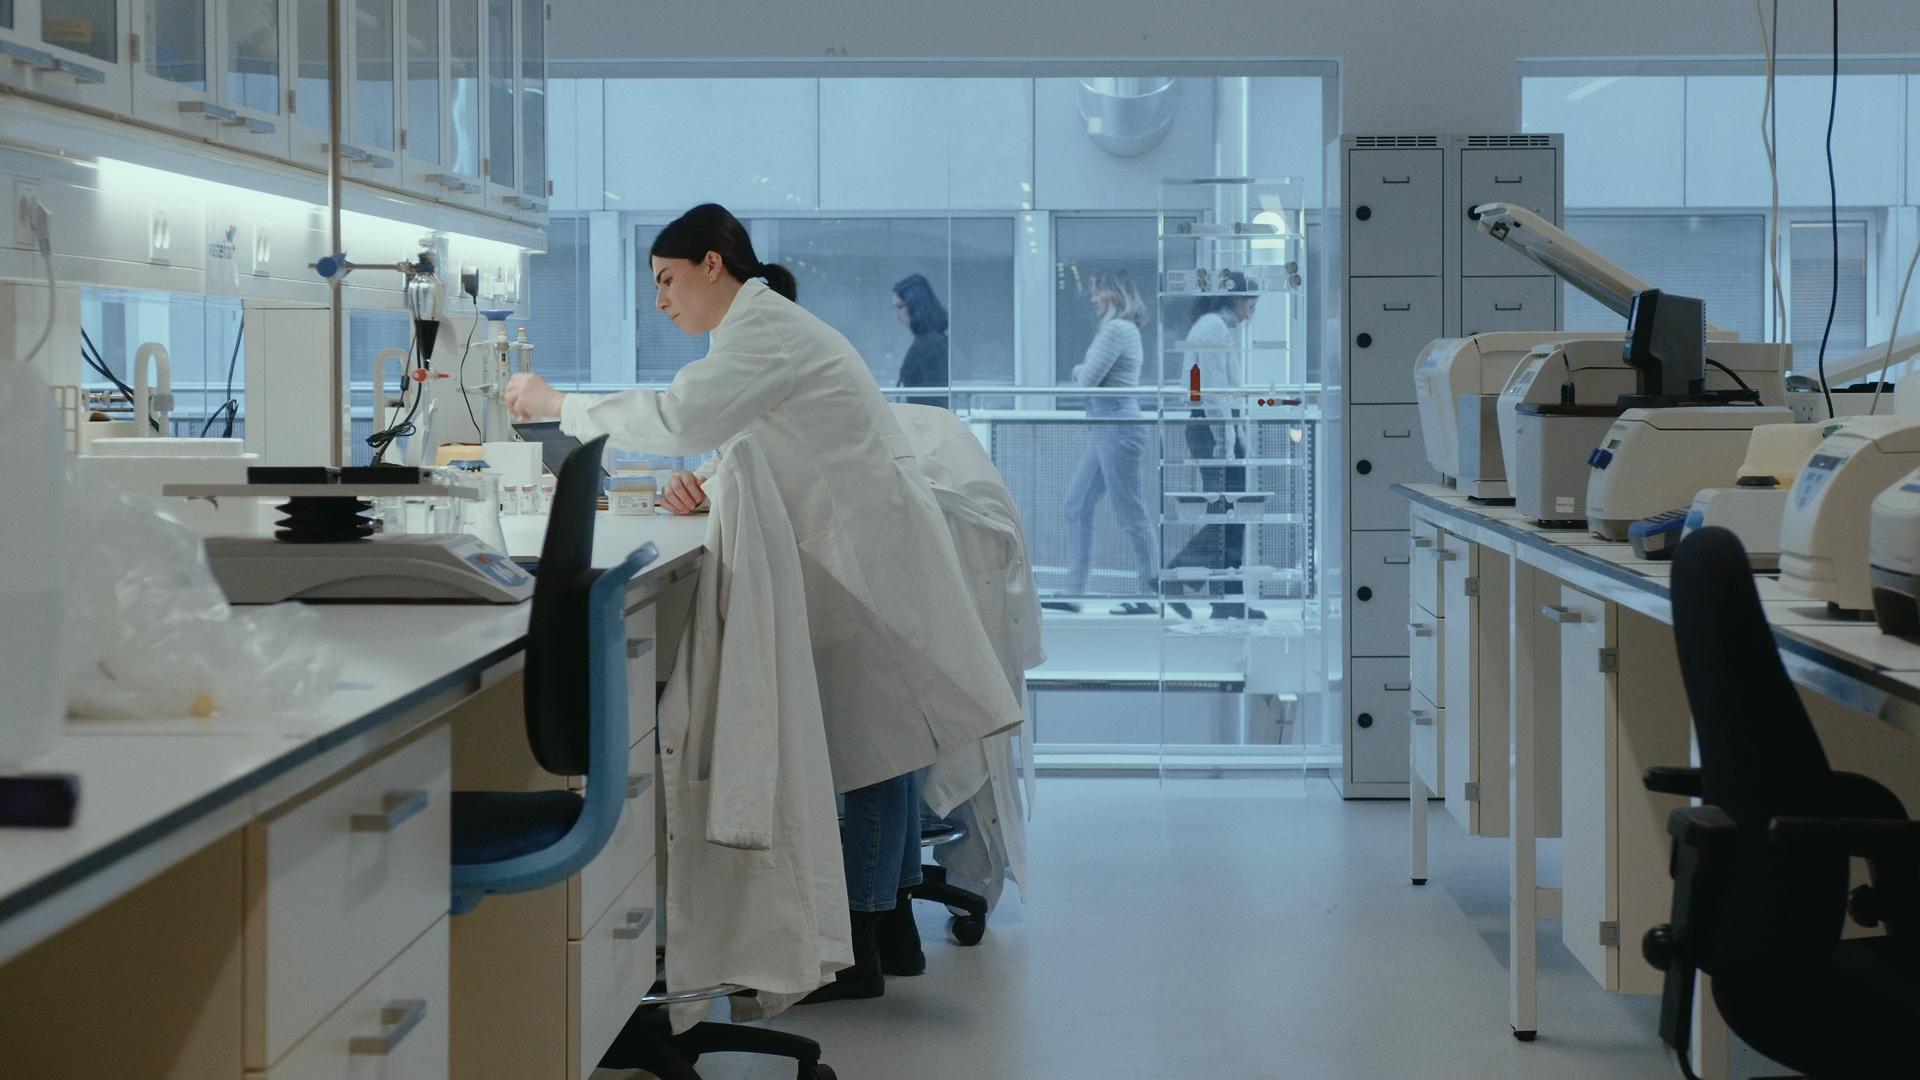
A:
<point x="1128" y="117"/>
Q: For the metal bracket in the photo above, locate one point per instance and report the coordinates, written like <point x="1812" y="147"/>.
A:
<point x="1610" y="935"/>
<point x="1609" y="661"/>
<point x="1473" y="791"/>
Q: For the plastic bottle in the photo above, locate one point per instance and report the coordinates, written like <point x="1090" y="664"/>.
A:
<point x="33" y="571"/>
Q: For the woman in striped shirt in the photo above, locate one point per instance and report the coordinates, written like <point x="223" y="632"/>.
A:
<point x="1112" y="463"/>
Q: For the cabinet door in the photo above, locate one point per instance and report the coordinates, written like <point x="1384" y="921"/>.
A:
<point x="1524" y="177"/>
<point x="532" y="203"/>
<point x="1377" y="742"/>
<point x="1508" y="303"/>
<point x="72" y="51"/>
<point x="423" y="92"/>
<point x="502" y="157"/>
<point x="1393" y="215"/>
<point x="465" y="139"/>
<point x="173" y="52"/>
<point x="1587" y="776"/>
<point x="1389" y="321"/>
<point x="1384" y="449"/>
<point x="253" y="51"/>
<point x="310" y="104"/>
<point x="372" y="141"/>
<point x="1378" y="613"/>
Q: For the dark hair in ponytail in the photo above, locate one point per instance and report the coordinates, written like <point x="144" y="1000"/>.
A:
<point x="710" y="227"/>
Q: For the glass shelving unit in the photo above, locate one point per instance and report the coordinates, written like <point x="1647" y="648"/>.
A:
<point x="1237" y="434"/>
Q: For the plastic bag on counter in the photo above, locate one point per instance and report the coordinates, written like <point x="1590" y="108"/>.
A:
<point x="150" y="634"/>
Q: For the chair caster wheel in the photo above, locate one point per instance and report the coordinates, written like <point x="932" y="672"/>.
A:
<point x="968" y="930"/>
<point x="1419" y="881"/>
<point x="1526" y="1036"/>
<point x="818" y="1072"/>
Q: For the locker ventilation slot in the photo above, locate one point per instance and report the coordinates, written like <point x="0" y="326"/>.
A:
<point x="1509" y="141"/>
<point x="1394" y="142"/>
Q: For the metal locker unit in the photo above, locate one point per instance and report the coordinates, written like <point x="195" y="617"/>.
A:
<point x="1401" y="245"/>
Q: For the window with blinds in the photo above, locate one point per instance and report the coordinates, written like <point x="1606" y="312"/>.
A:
<point x="1720" y="258"/>
<point x="1811" y="264"/>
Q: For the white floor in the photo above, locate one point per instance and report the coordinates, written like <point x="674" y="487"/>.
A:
<point x="1229" y="929"/>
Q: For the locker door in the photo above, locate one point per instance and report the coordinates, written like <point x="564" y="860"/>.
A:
<point x="1379" y="699"/>
<point x="1384" y="449"/>
<point x="1507" y="303"/>
<point x="1389" y="320"/>
<point x="1378" y="607"/>
<point x="1393" y="215"/>
<point x="1524" y="177"/>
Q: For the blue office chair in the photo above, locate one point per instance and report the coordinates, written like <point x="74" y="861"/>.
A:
<point x="576" y="709"/>
<point x="1760" y="869"/>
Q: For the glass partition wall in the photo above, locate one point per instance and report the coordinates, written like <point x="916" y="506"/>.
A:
<point x="973" y="238"/>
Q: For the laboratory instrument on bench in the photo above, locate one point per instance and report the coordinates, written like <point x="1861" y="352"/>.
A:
<point x="1893" y="557"/>
<point x="1653" y="461"/>
<point x="426" y="299"/>
<point x="418" y="414"/>
<point x="1656" y="536"/>
<point x="1565" y="396"/>
<point x="504" y="359"/>
<point x="326" y="547"/>
<point x="1457" y="382"/>
<point x="1751" y="509"/>
<point x="1823" y="533"/>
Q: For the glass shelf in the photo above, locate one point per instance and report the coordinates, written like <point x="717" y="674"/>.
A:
<point x="1234" y="519"/>
<point x="1224" y="463"/>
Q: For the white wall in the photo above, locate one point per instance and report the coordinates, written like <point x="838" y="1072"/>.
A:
<point x="1435" y="66"/>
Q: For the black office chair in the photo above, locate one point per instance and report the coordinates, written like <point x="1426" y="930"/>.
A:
<point x="967" y="909"/>
<point x="1760" y="870"/>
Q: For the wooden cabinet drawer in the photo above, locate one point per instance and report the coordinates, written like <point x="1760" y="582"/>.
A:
<point x="628" y="850"/>
<point x="608" y="972"/>
<point x="394" y="1028"/>
<point x="338" y="885"/>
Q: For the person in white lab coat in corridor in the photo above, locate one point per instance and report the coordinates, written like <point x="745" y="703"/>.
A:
<point x="906" y="671"/>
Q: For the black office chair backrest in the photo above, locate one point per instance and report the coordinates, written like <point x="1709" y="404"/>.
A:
<point x="1759" y="758"/>
<point x="556" y="675"/>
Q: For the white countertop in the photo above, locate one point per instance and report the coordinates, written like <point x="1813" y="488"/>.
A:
<point x="154" y="790"/>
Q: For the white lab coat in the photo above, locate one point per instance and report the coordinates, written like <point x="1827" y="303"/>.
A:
<point x="981" y="785"/>
<point x="901" y="680"/>
<point x="756" y="893"/>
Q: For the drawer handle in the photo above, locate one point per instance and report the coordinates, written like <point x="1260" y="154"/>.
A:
<point x="1396" y="307"/>
<point x="79" y="73"/>
<point x="1516" y="179"/>
<point x="398" y="807"/>
<point x="257" y="126"/>
<point x="398" y="1019"/>
<point x="1423" y="543"/>
<point x="638" y="647"/>
<point x="210" y="111"/>
<point x="1396" y="179"/>
<point x="1396" y="560"/>
<point x="638" y="783"/>
<point x="378" y="161"/>
<point x="1397" y="687"/>
<point x="26" y="57"/>
<point x="352" y="153"/>
<point x="638" y="919"/>
<point x="1402" y="433"/>
<point x="1445" y="556"/>
<point x="1515" y="306"/>
<point x="1554" y="613"/>
<point x="1420" y="629"/>
<point x="1420" y="717"/>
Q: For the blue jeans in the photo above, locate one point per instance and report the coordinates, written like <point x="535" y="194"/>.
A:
<point x="880" y="842"/>
<point x="1110" y="467"/>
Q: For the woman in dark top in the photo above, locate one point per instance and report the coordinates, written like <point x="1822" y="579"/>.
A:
<point x="926" y="363"/>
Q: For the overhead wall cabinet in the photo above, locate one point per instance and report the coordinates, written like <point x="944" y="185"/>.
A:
<point x="443" y="99"/>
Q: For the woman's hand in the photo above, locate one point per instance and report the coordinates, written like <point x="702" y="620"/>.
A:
<point x="530" y="397"/>
<point x="684" y="493"/>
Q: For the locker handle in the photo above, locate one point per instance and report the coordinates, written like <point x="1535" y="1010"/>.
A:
<point x="1396" y="179"/>
<point x="1396" y="560"/>
<point x="1396" y="307"/>
<point x="1402" y="433"/>
<point x="1515" y="306"/>
<point x="1515" y="179"/>
<point x="1397" y="687"/>
<point x="1554" y="613"/>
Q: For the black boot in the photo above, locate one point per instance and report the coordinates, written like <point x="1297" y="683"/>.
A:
<point x="900" y="952"/>
<point x="863" y="979"/>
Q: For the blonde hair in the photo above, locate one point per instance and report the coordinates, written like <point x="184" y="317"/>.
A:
<point x="1119" y="283"/>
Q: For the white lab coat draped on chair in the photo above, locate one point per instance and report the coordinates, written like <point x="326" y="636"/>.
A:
<point x="981" y="785"/>
<point x="756" y="893"/>
<point x="901" y="680"/>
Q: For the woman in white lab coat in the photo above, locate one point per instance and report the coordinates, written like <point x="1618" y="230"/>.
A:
<point x="906" y="672"/>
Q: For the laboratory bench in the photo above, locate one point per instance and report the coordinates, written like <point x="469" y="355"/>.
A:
<point x="254" y="897"/>
<point x="1544" y="680"/>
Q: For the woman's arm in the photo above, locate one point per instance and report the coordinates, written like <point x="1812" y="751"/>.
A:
<point x="711" y="400"/>
<point x="1108" y="346"/>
